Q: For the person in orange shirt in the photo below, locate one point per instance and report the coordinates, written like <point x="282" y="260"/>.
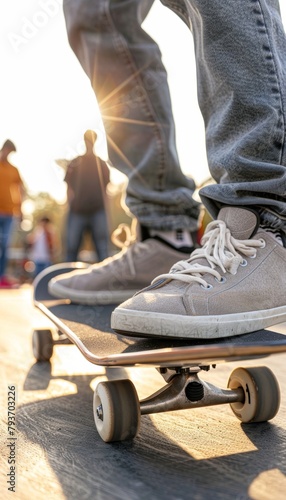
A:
<point x="11" y="187"/>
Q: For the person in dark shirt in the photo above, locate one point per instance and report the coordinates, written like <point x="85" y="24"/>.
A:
<point x="87" y="177"/>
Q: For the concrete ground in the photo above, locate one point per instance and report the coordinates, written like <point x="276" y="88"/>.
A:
<point x="205" y="453"/>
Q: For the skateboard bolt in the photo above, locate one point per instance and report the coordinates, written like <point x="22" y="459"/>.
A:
<point x="99" y="412"/>
<point x="194" y="391"/>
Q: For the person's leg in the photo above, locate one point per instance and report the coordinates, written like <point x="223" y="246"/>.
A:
<point x="99" y="233"/>
<point x="40" y="266"/>
<point x="6" y="222"/>
<point x="130" y="82"/>
<point x="1" y="248"/>
<point x="236" y="282"/>
<point x="126" y="71"/>
<point x="241" y="68"/>
<point x="74" y="232"/>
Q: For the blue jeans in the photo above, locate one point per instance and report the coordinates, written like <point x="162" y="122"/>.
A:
<point x="96" y="223"/>
<point x="40" y="266"/>
<point x="240" y="49"/>
<point x="6" y="222"/>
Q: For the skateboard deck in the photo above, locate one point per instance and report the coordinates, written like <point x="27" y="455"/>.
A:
<point x="179" y="361"/>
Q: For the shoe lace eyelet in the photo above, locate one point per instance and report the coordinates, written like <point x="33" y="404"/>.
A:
<point x="208" y="287"/>
<point x="243" y="263"/>
<point x="263" y="243"/>
<point x="221" y="281"/>
<point x="253" y="256"/>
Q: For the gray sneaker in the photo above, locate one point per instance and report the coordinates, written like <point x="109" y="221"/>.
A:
<point x="117" y="278"/>
<point x="234" y="284"/>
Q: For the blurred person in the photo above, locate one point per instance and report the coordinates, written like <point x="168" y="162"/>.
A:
<point x="87" y="177"/>
<point x="236" y="282"/>
<point x="11" y="191"/>
<point x="43" y="244"/>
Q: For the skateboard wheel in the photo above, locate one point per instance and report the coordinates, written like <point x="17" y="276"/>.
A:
<point x="116" y="410"/>
<point x="42" y="345"/>
<point x="261" y="394"/>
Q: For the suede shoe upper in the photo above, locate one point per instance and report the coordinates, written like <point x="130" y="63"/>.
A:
<point x="237" y="277"/>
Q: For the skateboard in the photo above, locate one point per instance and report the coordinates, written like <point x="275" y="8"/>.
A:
<point x="252" y="393"/>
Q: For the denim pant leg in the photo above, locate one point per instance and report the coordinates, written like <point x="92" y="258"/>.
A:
<point x="100" y="233"/>
<point x="240" y="48"/>
<point x="40" y="266"/>
<point x="6" y="222"/>
<point x="76" y="224"/>
<point x="130" y="82"/>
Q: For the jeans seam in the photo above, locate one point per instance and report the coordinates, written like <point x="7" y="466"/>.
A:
<point x="179" y="10"/>
<point x="278" y="83"/>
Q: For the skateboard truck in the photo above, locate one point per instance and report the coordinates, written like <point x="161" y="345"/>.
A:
<point x="253" y="395"/>
<point x="186" y="390"/>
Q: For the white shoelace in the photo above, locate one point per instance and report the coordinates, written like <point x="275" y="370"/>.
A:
<point x="122" y="240"/>
<point x="126" y="243"/>
<point x="220" y="249"/>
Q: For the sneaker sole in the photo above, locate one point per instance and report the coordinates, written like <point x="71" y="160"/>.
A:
<point x="104" y="297"/>
<point x="147" y="324"/>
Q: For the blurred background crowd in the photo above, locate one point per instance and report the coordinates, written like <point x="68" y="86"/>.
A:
<point x="38" y="235"/>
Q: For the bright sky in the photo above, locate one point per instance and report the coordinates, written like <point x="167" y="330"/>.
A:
<point x="47" y="103"/>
